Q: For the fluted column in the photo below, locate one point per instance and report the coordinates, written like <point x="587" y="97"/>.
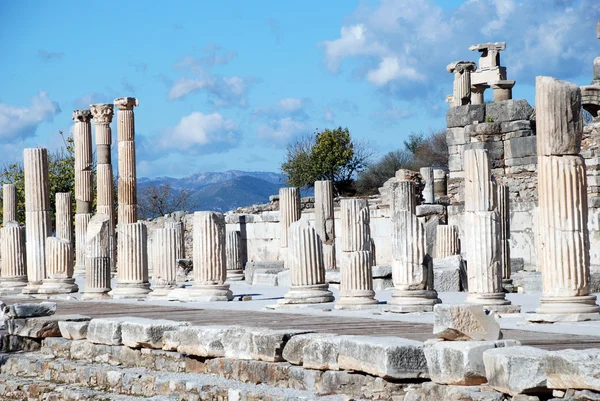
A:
<point x="447" y="241"/>
<point x="210" y="269"/>
<point x="504" y="217"/>
<point x="84" y="191"/>
<point x="132" y="275"/>
<point x="9" y="203"/>
<point x="289" y="211"/>
<point x="324" y="218"/>
<point x="12" y="249"/>
<point x="38" y="225"/>
<point x="164" y="253"/>
<point x="180" y="229"/>
<point x="127" y="176"/>
<point x="233" y="253"/>
<point x="307" y="271"/>
<point x="412" y="271"/>
<point x="462" y="81"/>
<point x="482" y="232"/>
<point x="105" y="197"/>
<point x="97" y="258"/>
<point x="428" y="191"/>
<point x="563" y="251"/>
<point x="59" y="251"/>
<point x="356" y="260"/>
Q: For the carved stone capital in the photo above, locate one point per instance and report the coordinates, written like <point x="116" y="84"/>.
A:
<point x="83" y="116"/>
<point x="126" y="103"/>
<point x="103" y="113"/>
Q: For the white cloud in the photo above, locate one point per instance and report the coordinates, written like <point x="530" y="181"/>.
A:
<point x="22" y="122"/>
<point x="285" y="107"/>
<point x="279" y="132"/>
<point x="184" y="86"/>
<point x="353" y="41"/>
<point x="390" y="69"/>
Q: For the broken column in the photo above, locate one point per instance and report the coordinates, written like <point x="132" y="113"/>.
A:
<point x="447" y="241"/>
<point x="356" y="261"/>
<point x="12" y="249"/>
<point x="504" y="218"/>
<point x="289" y="211"/>
<point x="502" y="89"/>
<point x="132" y="275"/>
<point x="440" y="187"/>
<point x="307" y="271"/>
<point x="210" y="270"/>
<point x="482" y="234"/>
<point x="84" y="191"/>
<point x="97" y="258"/>
<point x="38" y="225"/>
<point x="165" y="254"/>
<point x="105" y="198"/>
<point x="127" y="176"/>
<point x="428" y="191"/>
<point x="477" y="93"/>
<point x="462" y="81"/>
<point x="233" y="253"/>
<point x="412" y="270"/>
<point x="9" y="203"/>
<point x="59" y="251"/>
<point x="563" y="247"/>
<point x="324" y="218"/>
<point x="180" y="237"/>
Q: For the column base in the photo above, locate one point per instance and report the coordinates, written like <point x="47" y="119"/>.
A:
<point x="307" y="294"/>
<point x="131" y="290"/>
<point x="492" y="298"/>
<point x="407" y="301"/>
<point x="32" y="287"/>
<point x="12" y="285"/>
<point x="207" y="293"/>
<point x="58" y="286"/>
<point x="235" y="275"/>
<point x="164" y="291"/>
<point x="568" y="305"/>
<point x="561" y="317"/>
<point x="96" y="294"/>
<point x="356" y="300"/>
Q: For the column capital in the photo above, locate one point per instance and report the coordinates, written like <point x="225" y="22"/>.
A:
<point x="126" y="103"/>
<point x="103" y="113"/>
<point x="83" y="116"/>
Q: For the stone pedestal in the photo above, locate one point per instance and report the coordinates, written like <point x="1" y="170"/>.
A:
<point x="12" y="249"/>
<point x="84" y="192"/>
<point x="9" y="203"/>
<point x="103" y="115"/>
<point x="132" y="275"/>
<point x="356" y="277"/>
<point x="233" y="253"/>
<point x="164" y="255"/>
<point x="502" y="90"/>
<point x="447" y="241"/>
<point x="412" y="269"/>
<point x="38" y="225"/>
<point x="307" y="271"/>
<point x="97" y="258"/>
<point x="563" y="246"/>
<point x="210" y="269"/>
<point x="324" y="218"/>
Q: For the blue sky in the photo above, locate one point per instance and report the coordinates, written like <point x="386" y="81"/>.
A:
<point x="227" y="84"/>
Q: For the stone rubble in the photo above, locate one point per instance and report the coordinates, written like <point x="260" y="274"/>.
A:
<point x="464" y="323"/>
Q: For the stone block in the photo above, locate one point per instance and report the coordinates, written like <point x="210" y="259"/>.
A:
<point x="333" y="276"/>
<point x="73" y="330"/>
<point x="252" y="266"/>
<point x="527" y="282"/>
<point x="464" y="322"/>
<point x="203" y="341"/>
<point x="32" y="310"/>
<point x="516" y="148"/>
<point x="518" y="125"/>
<point x="460" y="362"/>
<point x="429" y="210"/>
<point x="106" y="330"/>
<point x="147" y="333"/>
<point x="464" y="115"/>
<point x="456" y="136"/>
<point x="508" y="110"/>
<point x="447" y="273"/>
<point x="516" y="370"/>
<point x="528" y="163"/>
<point x="574" y="369"/>
<point x="42" y="327"/>
<point x="386" y="357"/>
<point x="284" y="278"/>
<point x="257" y="343"/>
<point x="266" y="277"/>
<point x="517" y="264"/>
<point x="313" y="351"/>
<point x="382" y="271"/>
<point x="382" y="283"/>
<point x="439" y="392"/>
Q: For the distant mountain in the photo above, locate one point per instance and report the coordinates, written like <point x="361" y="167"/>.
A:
<point x="223" y="191"/>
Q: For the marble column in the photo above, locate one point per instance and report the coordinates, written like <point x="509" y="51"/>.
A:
<point x="563" y="251"/>
<point x="503" y="208"/>
<point x="84" y="191"/>
<point x="180" y="229"/>
<point x="440" y="187"/>
<point x="127" y="176"/>
<point x="428" y="191"/>
<point x="324" y="218"/>
<point x="462" y="81"/>
<point x="97" y="258"/>
<point x="482" y="234"/>
<point x="210" y="266"/>
<point x="412" y="270"/>
<point x="165" y="248"/>
<point x="132" y="275"/>
<point x="502" y="90"/>
<point x="105" y="196"/>
<point x="12" y="249"/>
<point x="307" y="271"/>
<point x="233" y="253"/>
<point x="447" y="241"/>
<point x="38" y="225"/>
<point x="289" y="211"/>
<point x="59" y="251"/>
<point x="9" y="203"/>
<point x="356" y="261"/>
<point x="477" y="93"/>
